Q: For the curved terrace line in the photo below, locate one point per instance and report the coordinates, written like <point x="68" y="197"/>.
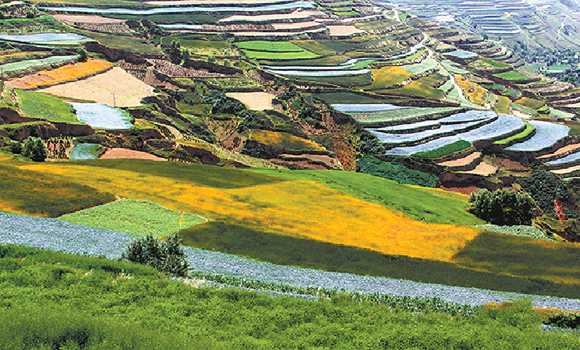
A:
<point x="345" y="65"/>
<point x="166" y="10"/>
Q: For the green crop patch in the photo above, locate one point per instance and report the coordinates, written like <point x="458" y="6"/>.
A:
<point x="527" y="131"/>
<point x="445" y="150"/>
<point x="39" y="105"/>
<point x="137" y="217"/>
<point x="269" y="46"/>
<point x="262" y="55"/>
<point x="513" y="75"/>
<point x="388" y="193"/>
<point x="44" y="194"/>
<point x="494" y="63"/>
<point x="554" y="263"/>
<point x="201" y="174"/>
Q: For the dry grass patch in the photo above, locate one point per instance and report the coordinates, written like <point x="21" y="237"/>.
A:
<point x="299" y="208"/>
<point x="69" y="72"/>
<point x="258" y="101"/>
<point x="115" y="88"/>
<point x="285" y="141"/>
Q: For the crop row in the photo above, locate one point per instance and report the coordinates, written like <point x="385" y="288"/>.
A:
<point x="23" y="65"/>
<point x="225" y="268"/>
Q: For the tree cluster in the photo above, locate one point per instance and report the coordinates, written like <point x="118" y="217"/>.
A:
<point x="164" y="256"/>
<point x="503" y="207"/>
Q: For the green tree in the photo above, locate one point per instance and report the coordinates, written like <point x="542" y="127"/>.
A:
<point x="164" y="256"/>
<point x="82" y="54"/>
<point x="34" y="149"/>
<point x="503" y="207"/>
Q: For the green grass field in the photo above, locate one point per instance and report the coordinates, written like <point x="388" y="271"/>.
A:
<point x="261" y="55"/>
<point x="269" y="46"/>
<point x="314" y="46"/>
<point x="39" y="105"/>
<point x="512" y="75"/>
<point x="346" y="81"/>
<point x="343" y="97"/>
<point x="208" y="176"/>
<point x="494" y="63"/>
<point x="59" y="301"/>
<point x="47" y="195"/>
<point x="424" y="206"/>
<point x="137" y="217"/>
<point x="419" y="68"/>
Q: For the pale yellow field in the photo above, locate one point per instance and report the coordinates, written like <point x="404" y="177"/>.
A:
<point x="115" y="88"/>
<point x="258" y="101"/>
<point x="344" y="30"/>
<point x="302" y="208"/>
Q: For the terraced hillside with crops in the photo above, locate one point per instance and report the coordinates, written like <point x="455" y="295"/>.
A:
<point x="257" y="153"/>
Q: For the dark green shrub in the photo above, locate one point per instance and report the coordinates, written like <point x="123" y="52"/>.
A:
<point x="16" y="148"/>
<point x="164" y="256"/>
<point x="34" y="149"/>
<point x="503" y="207"/>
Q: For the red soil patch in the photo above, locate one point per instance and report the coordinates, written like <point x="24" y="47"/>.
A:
<point x="117" y="153"/>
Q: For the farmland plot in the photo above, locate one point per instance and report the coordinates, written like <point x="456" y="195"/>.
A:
<point x="504" y="125"/>
<point x="413" y="138"/>
<point x="466" y="117"/>
<point x="137" y="217"/>
<point x="365" y="107"/>
<point x="60" y="235"/>
<point x="338" y="219"/>
<point x="258" y="101"/>
<point x="99" y="88"/>
<point x="84" y="151"/>
<point x="46" y="38"/>
<point x="392" y="115"/>
<point x="63" y="74"/>
<point x="27" y="64"/>
<point x="547" y="134"/>
<point x="572" y="158"/>
<point x="101" y="116"/>
<point x="420" y="68"/>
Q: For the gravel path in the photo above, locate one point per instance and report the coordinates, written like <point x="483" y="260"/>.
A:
<point x="64" y="236"/>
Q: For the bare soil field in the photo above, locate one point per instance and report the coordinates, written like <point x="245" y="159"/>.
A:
<point x="344" y="30"/>
<point x="114" y="87"/>
<point x="257" y="101"/>
<point x="117" y="153"/>
<point x="483" y="169"/>
<point x="462" y="161"/>
<point x="88" y="19"/>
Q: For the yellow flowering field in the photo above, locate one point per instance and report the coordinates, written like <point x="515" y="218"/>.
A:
<point x="299" y="208"/>
<point x="69" y="72"/>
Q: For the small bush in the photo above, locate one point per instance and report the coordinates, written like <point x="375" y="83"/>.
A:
<point x="164" y="256"/>
<point x="503" y="207"/>
<point x="34" y="149"/>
